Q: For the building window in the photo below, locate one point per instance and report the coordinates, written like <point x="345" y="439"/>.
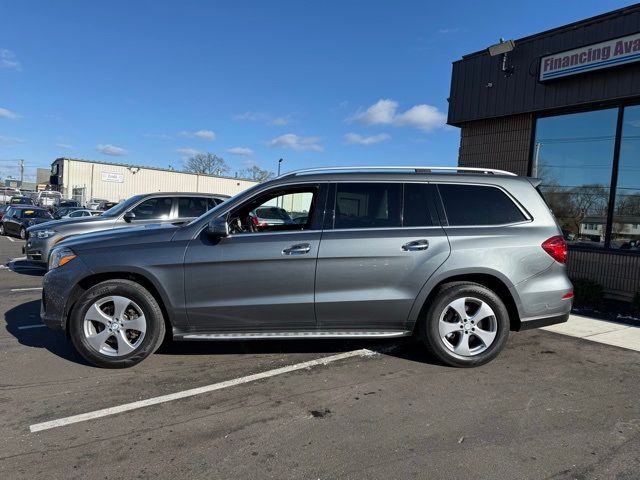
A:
<point x="574" y="155"/>
<point x="626" y="215"/>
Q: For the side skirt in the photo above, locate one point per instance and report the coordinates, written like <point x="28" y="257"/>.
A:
<point x="291" y="335"/>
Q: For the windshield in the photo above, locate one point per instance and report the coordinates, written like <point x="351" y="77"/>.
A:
<point x="36" y="214"/>
<point x="121" y="207"/>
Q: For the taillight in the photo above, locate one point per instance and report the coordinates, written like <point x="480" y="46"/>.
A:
<point x="557" y="248"/>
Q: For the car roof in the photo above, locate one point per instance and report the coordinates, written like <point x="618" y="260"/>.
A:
<point x="28" y="207"/>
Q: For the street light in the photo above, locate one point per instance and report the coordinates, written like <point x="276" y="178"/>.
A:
<point x="279" y="162"/>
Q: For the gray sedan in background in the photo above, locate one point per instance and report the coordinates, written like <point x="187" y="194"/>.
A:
<point x="174" y="208"/>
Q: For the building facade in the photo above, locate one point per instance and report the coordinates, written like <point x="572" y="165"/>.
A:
<point x="564" y="105"/>
<point x="83" y="180"/>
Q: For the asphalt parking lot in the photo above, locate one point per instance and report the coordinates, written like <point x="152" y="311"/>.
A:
<point x="550" y="406"/>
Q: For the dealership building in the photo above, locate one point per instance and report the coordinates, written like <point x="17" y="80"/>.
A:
<point x="564" y="105"/>
<point x="83" y="180"/>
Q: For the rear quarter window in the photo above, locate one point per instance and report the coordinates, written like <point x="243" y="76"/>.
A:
<point x="478" y="205"/>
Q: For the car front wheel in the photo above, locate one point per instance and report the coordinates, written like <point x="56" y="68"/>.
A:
<point x="23" y="233"/>
<point x="466" y="325"/>
<point x="116" y="324"/>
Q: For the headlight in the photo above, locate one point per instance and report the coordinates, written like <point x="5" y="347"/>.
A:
<point x="60" y="256"/>
<point x="43" y="233"/>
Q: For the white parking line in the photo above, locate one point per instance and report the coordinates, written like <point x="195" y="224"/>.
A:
<point x="37" y="325"/>
<point x="25" y="289"/>
<point x="61" y="422"/>
<point x="10" y="239"/>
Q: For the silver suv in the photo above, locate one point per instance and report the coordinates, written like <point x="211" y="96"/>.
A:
<point x="457" y="257"/>
<point x="174" y="207"/>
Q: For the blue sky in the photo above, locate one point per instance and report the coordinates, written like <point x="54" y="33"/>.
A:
<point x="316" y="83"/>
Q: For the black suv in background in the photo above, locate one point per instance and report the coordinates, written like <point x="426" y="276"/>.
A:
<point x="174" y="208"/>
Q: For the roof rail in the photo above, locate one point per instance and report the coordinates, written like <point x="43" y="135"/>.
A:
<point x="415" y="169"/>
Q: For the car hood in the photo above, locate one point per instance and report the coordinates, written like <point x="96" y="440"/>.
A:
<point x="121" y="237"/>
<point x="73" y="221"/>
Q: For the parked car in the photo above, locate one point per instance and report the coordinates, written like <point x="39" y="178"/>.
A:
<point x="456" y="257"/>
<point x="69" y="204"/>
<point x="3" y="209"/>
<point x="94" y="203"/>
<point x="64" y="211"/>
<point x="7" y="192"/>
<point x="82" y="213"/>
<point x="20" y="200"/>
<point x="104" y="206"/>
<point x="270" y="215"/>
<point x="18" y="218"/>
<point x="48" y="199"/>
<point x="138" y="210"/>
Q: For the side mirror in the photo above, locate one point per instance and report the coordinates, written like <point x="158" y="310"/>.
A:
<point x="129" y="216"/>
<point x="218" y="228"/>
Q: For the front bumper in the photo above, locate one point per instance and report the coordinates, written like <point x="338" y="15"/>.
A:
<point x="58" y="287"/>
<point x="38" y="249"/>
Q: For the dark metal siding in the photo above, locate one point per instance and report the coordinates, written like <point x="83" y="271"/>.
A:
<point x="618" y="274"/>
<point x="470" y="98"/>
<point x="502" y="143"/>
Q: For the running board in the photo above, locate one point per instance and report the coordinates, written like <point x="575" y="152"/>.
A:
<point x="291" y="335"/>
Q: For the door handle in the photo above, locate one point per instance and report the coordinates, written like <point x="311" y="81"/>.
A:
<point x="297" y="249"/>
<point x="416" y="245"/>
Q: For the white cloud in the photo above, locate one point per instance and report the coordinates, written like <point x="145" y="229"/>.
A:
<point x="385" y="112"/>
<point x="64" y="146"/>
<point x="201" y="134"/>
<point x="447" y="31"/>
<point x="158" y="136"/>
<point x="242" y="151"/>
<point x="263" y="117"/>
<point x="8" y="60"/>
<point x="5" y="113"/>
<point x="422" y="117"/>
<point x="111" y="150"/>
<point x="294" y="142"/>
<point x="188" y="152"/>
<point x="356" y="139"/>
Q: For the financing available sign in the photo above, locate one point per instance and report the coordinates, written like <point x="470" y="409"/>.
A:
<point x="607" y="54"/>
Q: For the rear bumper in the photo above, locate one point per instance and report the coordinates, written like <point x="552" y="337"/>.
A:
<point x="538" y="322"/>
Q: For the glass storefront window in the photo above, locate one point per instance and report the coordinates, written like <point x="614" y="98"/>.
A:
<point x="625" y="228"/>
<point x="573" y="155"/>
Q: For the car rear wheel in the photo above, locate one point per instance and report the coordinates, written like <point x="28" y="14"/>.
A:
<point x="116" y="324"/>
<point x="466" y="325"/>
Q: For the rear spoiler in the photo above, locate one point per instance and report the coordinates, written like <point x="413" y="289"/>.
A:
<point x="534" y="181"/>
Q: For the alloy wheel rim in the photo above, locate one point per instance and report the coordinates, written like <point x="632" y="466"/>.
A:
<point x="114" y="326"/>
<point x="467" y="326"/>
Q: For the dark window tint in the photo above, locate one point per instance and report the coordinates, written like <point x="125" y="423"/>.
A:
<point x="417" y="208"/>
<point x="192" y="206"/>
<point x="368" y="205"/>
<point x="158" y="208"/>
<point x="478" y="205"/>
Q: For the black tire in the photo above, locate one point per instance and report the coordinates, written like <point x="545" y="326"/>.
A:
<point x="23" y="233"/>
<point x="429" y="332"/>
<point x="155" y="326"/>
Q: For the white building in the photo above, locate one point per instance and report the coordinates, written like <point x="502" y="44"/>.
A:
<point x="86" y="179"/>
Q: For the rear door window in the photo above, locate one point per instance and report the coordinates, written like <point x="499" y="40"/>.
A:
<point x="418" y="210"/>
<point x="478" y="205"/>
<point x="157" y="208"/>
<point x="368" y="205"/>
<point x="191" y="207"/>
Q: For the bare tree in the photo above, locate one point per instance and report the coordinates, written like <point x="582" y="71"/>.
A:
<point x="206" y="164"/>
<point x="256" y="174"/>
